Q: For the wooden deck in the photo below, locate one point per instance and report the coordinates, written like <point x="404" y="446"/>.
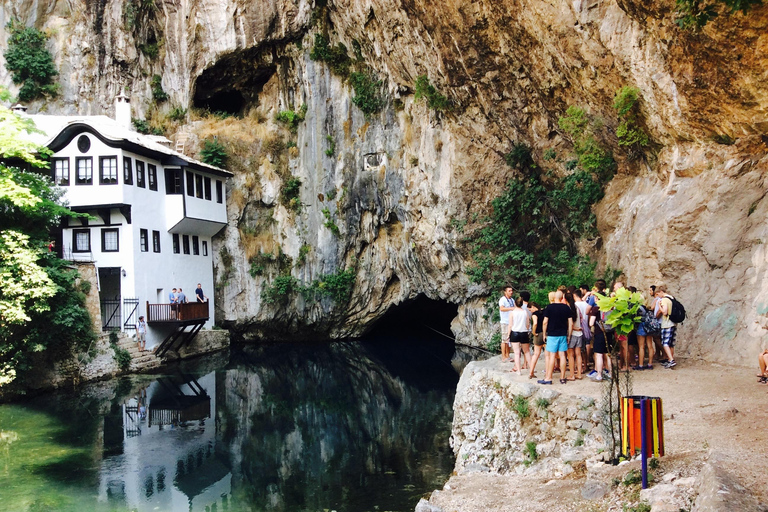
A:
<point x="177" y="313"/>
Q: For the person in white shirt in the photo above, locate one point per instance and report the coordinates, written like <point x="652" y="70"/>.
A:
<point x="506" y="304"/>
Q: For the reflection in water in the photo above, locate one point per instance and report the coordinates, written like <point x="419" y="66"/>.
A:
<point x="345" y="426"/>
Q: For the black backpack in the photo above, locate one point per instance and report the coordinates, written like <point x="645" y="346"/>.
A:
<point x="677" y="313"/>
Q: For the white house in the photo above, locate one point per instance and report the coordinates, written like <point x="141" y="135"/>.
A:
<point x="155" y="213"/>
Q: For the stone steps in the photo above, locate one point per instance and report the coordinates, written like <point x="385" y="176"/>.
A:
<point x="140" y="360"/>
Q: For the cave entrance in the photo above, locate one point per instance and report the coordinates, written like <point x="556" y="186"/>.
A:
<point x="419" y="318"/>
<point x="229" y="102"/>
<point x="413" y="341"/>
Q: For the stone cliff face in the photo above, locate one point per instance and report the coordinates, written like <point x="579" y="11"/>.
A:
<point x="399" y="183"/>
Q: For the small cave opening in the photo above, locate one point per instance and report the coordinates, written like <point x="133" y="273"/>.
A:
<point x="229" y="102"/>
<point x="413" y="340"/>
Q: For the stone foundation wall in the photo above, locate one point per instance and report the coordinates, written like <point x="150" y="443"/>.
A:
<point x="491" y="429"/>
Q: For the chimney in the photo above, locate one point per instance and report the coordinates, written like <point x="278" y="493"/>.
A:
<point x="123" y="110"/>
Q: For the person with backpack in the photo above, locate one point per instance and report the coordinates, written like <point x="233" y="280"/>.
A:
<point x="668" y="328"/>
<point x="648" y="327"/>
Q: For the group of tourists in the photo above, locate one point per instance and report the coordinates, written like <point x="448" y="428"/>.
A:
<point x="575" y="336"/>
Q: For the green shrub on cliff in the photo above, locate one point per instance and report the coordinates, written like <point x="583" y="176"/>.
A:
<point x="367" y="87"/>
<point x="30" y="62"/>
<point x="424" y="89"/>
<point x="214" y="153"/>
<point x="335" y="56"/>
<point x="292" y="118"/>
<point x="629" y="132"/>
<point x="695" y="14"/>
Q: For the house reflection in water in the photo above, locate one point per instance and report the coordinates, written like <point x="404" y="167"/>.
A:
<point x="160" y="449"/>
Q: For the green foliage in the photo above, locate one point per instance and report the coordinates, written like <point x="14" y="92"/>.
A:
<point x="292" y="119"/>
<point x="520" y="406"/>
<point x="622" y="308"/>
<point x="337" y="286"/>
<point x="529" y="239"/>
<point x="627" y="105"/>
<point x="335" y="56"/>
<point x="331" y="146"/>
<point x="329" y="223"/>
<point x="290" y="144"/>
<point x="520" y="157"/>
<point x="495" y="344"/>
<point x="695" y="14"/>
<point x="724" y="139"/>
<point x="549" y="154"/>
<point x="113" y="337"/>
<point x="158" y="94"/>
<point x="289" y="193"/>
<point x="30" y="62"/>
<point x="140" y="125"/>
<point x="653" y="463"/>
<point x="303" y="251"/>
<point x="151" y="50"/>
<point x="331" y="194"/>
<point x="122" y="357"/>
<point x="591" y="155"/>
<point x="542" y="403"/>
<point x="424" y="89"/>
<point x="280" y="289"/>
<point x="41" y="307"/>
<point x="634" y="477"/>
<point x="530" y="450"/>
<point x="214" y="153"/>
<point x="258" y="263"/>
<point x="367" y="96"/>
<point x="640" y="507"/>
<point x="178" y="114"/>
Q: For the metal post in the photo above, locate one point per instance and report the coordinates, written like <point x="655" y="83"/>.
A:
<point x="644" y="442"/>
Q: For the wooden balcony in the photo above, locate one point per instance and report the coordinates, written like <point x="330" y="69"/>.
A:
<point x="191" y="312"/>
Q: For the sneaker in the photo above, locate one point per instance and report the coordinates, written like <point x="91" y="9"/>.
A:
<point x="649" y="367"/>
<point x="662" y="362"/>
<point x="671" y="364"/>
<point x="592" y="374"/>
<point x="638" y="368"/>
<point x="597" y="379"/>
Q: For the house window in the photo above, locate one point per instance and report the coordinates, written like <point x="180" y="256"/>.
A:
<point x="205" y="248"/>
<point x="61" y="171"/>
<point x="173" y="183"/>
<point x="127" y="171"/>
<point x="84" y="170"/>
<point x="83" y="143"/>
<point x="110" y="240"/>
<point x="196" y="245"/>
<point x="207" y="188"/>
<point x="81" y="240"/>
<point x="185" y="243"/>
<point x="155" y="241"/>
<point x="176" y="243"/>
<point x="108" y="170"/>
<point x="140" y="174"/>
<point x="219" y="192"/>
<point x="199" y="185"/>
<point x="190" y="184"/>
<point x="143" y="240"/>
<point x="152" y="175"/>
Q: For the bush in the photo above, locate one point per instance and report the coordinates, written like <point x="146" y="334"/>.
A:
<point x="291" y="118"/>
<point x="337" y="286"/>
<point x="331" y="146"/>
<point x="335" y="56"/>
<point x="158" y="93"/>
<point x="274" y="146"/>
<point x="495" y="344"/>
<point x="627" y="105"/>
<point x="280" y="289"/>
<point x="424" y="89"/>
<point x="591" y="155"/>
<point x="289" y="193"/>
<point x="329" y="223"/>
<point x="520" y="406"/>
<point x="30" y="62"/>
<point x="214" y="153"/>
<point x="121" y="356"/>
<point x="520" y="156"/>
<point x="530" y="449"/>
<point x="367" y="87"/>
<point x="140" y="125"/>
<point x="303" y="251"/>
<point x="178" y="114"/>
<point x="695" y="14"/>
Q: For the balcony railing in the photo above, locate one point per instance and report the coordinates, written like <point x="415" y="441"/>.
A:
<point x="174" y="313"/>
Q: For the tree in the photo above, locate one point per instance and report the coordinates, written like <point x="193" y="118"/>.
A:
<point x="30" y="62"/>
<point x="39" y="302"/>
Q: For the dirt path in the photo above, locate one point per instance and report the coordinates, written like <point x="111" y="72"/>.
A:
<point x="707" y="408"/>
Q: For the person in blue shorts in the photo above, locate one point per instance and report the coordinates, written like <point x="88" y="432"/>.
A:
<point x="557" y="329"/>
